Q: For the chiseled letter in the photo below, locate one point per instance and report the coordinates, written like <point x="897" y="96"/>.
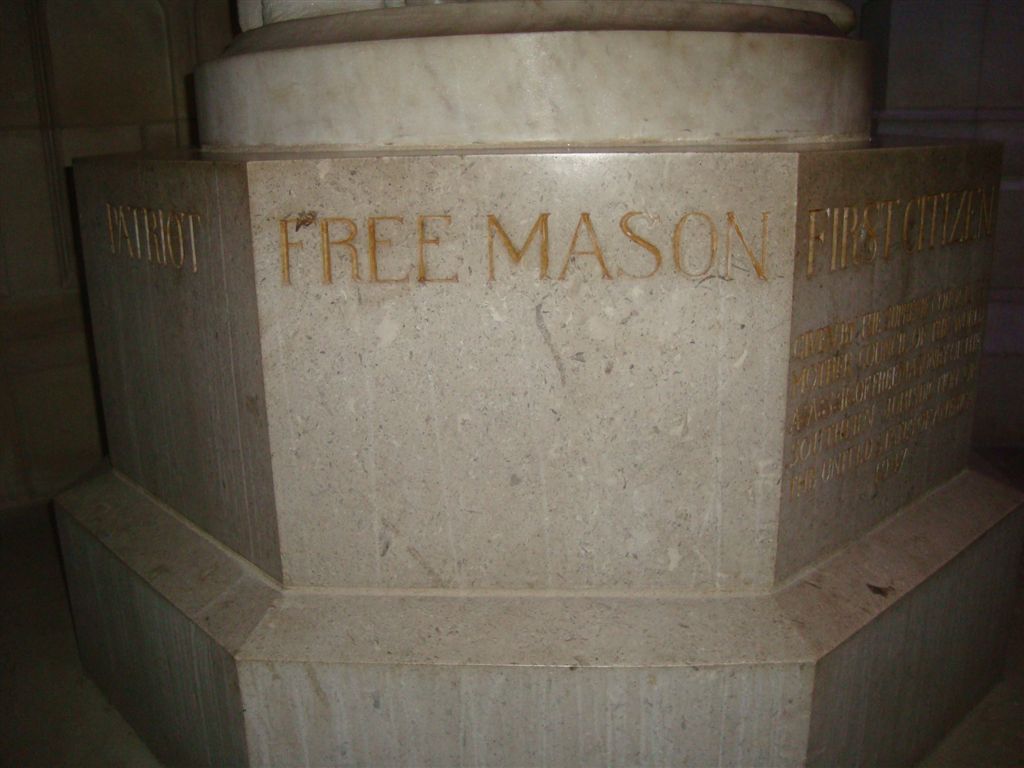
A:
<point x="677" y="243"/>
<point x="423" y="242"/>
<point x="326" y="243"/>
<point x="760" y="265"/>
<point x="540" y="227"/>
<point x="138" y="237"/>
<point x="814" y="236"/>
<point x="154" y="234"/>
<point x="887" y="243"/>
<point x="986" y="209"/>
<point x="175" y="219"/>
<point x="967" y="218"/>
<point x="193" y="222"/>
<point x="870" y="234"/>
<point x="375" y="243"/>
<point x="110" y="228"/>
<point x="286" y="246"/>
<point x="951" y="236"/>
<point x="122" y="229"/>
<point x="585" y="224"/>
<point x="647" y="245"/>
<point x="848" y="228"/>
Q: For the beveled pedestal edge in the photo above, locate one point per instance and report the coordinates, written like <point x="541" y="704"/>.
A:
<point x="152" y="595"/>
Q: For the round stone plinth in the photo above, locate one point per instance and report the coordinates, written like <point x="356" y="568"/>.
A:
<point x="422" y="77"/>
<point x="539" y="89"/>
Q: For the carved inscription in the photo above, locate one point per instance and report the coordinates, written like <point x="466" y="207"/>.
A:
<point x="846" y="237"/>
<point x="163" y="237"/>
<point x="867" y="387"/>
<point x="693" y="245"/>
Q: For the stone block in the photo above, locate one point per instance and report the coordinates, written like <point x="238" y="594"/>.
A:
<point x="886" y="288"/>
<point x="499" y="410"/>
<point x="543" y="457"/>
<point x="530" y="405"/>
<point x="187" y="705"/>
<point x="454" y="91"/>
<point x="176" y="345"/>
<point x="815" y="673"/>
<point x="615" y="412"/>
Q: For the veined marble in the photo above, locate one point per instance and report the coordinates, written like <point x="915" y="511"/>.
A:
<point x="535" y="75"/>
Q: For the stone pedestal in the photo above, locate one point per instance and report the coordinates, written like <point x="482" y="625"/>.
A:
<point x="539" y="456"/>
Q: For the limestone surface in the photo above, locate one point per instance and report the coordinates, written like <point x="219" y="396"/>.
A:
<point x="696" y="371"/>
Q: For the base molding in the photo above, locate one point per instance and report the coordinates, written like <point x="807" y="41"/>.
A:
<point x="867" y="658"/>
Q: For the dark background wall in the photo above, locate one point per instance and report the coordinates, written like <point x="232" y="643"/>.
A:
<point x="77" y="78"/>
<point x="955" y="68"/>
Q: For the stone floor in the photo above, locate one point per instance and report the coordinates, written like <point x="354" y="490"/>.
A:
<point x="55" y="716"/>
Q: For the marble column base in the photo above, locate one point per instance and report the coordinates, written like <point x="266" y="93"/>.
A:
<point x="541" y="458"/>
<point x="865" y="659"/>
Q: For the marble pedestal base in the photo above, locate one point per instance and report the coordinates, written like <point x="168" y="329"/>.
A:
<point x="864" y="660"/>
<point x="541" y="458"/>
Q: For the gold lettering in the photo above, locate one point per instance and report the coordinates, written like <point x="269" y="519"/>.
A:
<point x="193" y="220"/>
<point x="888" y="226"/>
<point x="346" y="242"/>
<point x="124" y="236"/>
<point x="110" y="228"/>
<point x="175" y="219"/>
<point x="870" y="237"/>
<point x="908" y="364"/>
<point x="760" y="265"/>
<point x="956" y="221"/>
<point x="813" y="236"/>
<point x="162" y="231"/>
<point x="595" y="251"/>
<point x="986" y="211"/>
<point x="540" y="228"/>
<point x="161" y="257"/>
<point x="835" y="238"/>
<point x="378" y="242"/>
<point x="848" y="228"/>
<point x="802" y="483"/>
<point x="921" y="223"/>
<point x="154" y="235"/>
<point x="135" y="223"/>
<point x="945" y="216"/>
<point x="967" y="217"/>
<point x="423" y="242"/>
<point x="286" y="246"/>
<point x="677" y="244"/>
<point x="647" y="245"/>
<point x="935" y="218"/>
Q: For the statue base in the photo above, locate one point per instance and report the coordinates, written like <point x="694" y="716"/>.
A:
<point x="866" y="659"/>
